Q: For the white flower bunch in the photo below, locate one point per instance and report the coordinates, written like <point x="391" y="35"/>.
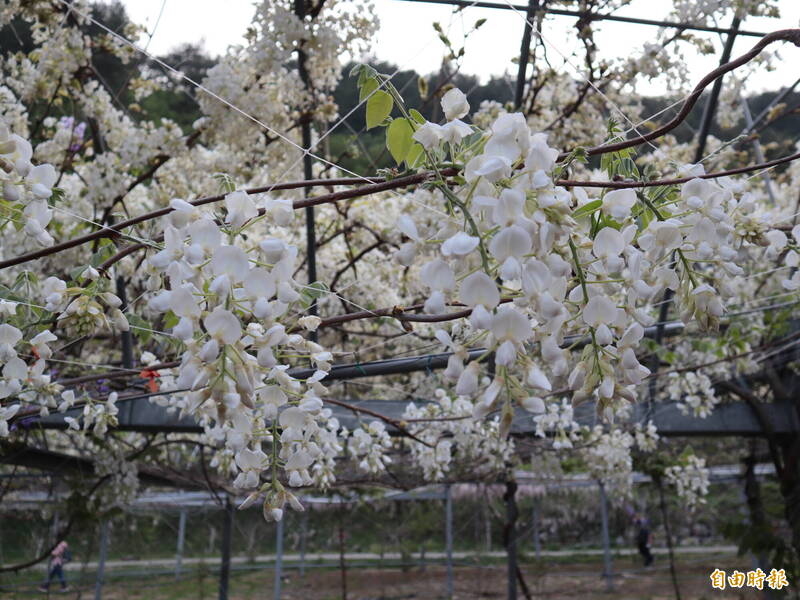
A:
<point x="229" y="300"/>
<point x="25" y="187"/>
<point x="690" y="479"/>
<point x="608" y="458"/>
<point x="452" y="439"/>
<point x="535" y="262"/>
<point x="370" y="442"/>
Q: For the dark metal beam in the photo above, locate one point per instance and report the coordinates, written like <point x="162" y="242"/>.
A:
<point x="305" y="127"/>
<point x="525" y="52"/>
<point x="591" y="16"/>
<point x="711" y="104"/>
<point x="727" y="419"/>
<point x="432" y="362"/>
<point x="47" y="460"/>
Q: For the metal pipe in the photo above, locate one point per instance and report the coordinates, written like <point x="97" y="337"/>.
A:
<point x="711" y="104"/>
<point x="525" y="51"/>
<point x="592" y="16"/>
<point x="303" y="534"/>
<point x="101" y="563"/>
<point x="429" y="362"/>
<point x="448" y="537"/>
<point x="181" y="537"/>
<point x="748" y="121"/>
<point x="126" y="337"/>
<point x="537" y="545"/>
<point x="225" y="566"/>
<point x="772" y="103"/>
<point x="278" y="560"/>
<point x="607" y="564"/>
<point x="305" y="128"/>
<point x="511" y="537"/>
<point x="705" y="127"/>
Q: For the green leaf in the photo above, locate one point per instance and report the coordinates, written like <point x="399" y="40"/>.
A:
<point x="415" y="156"/>
<point x="363" y="72"/>
<point x="398" y="139"/>
<point x="225" y="182"/>
<point x="140" y="327"/>
<point x="370" y="85"/>
<point x="415" y="114"/>
<point x="56" y="196"/>
<point x="379" y="106"/>
<point x="75" y="273"/>
<point x="587" y="208"/>
<point x="170" y="320"/>
<point x="105" y="252"/>
<point x="316" y="290"/>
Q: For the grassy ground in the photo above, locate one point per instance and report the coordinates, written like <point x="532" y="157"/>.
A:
<point x="557" y="580"/>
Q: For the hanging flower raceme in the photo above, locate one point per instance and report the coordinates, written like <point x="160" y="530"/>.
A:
<point x="229" y="298"/>
<point x="25" y="187"/>
<point x="537" y="264"/>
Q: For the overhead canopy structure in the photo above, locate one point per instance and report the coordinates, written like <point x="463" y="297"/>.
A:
<point x="727" y="419"/>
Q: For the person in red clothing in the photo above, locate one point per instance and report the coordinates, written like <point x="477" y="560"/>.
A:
<point x="58" y="557"/>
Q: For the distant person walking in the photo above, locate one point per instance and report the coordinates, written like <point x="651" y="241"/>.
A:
<point x="58" y="557"/>
<point x="643" y="538"/>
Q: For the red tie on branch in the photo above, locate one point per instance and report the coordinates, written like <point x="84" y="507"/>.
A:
<point x="151" y="377"/>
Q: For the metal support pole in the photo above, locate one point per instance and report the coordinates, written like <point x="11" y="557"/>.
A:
<point x="303" y="534"/>
<point x="487" y="524"/>
<point x="278" y="559"/>
<point x="765" y="111"/>
<point x="126" y="339"/>
<point x="525" y="52"/>
<point x="342" y="563"/>
<point x="181" y="536"/>
<point x="448" y="537"/>
<point x="748" y="122"/>
<point x="511" y="537"/>
<point x="56" y="527"/>
<point x="537" y="546"/>
<point x="711" y="104"/>
<point x="753" y="511"/>
<point x="311" y="234"/>
<point x="101" y="563"/>
<point x="225" y="567"/>
<point x="607" y="565"/>
<point x="705" y="126"/>
<point x="668" y="537"/>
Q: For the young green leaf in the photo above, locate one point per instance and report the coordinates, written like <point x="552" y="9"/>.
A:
<point x="370" y="85"/>
<point x="587" y="208"/>
<point x="415" y="156"/>
<point x="379" y="106"/>
<point x="417" y="116"/>
<point x="398" y="139"/>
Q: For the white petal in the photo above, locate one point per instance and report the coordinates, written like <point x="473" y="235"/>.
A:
<point x="460" y="244"/>
<point x="437" y="275"/>
<point x="231" y="261"/>
<point x="599" y="310"/>
<point x="407" y="226"/>
<point x="479" y="288"/>
<point x="537" y="379"/>
<point x="15" y="369"/>
<point x="454" y="104"/>
<point x="609" y="242"/>
<point x="511" y="241"/>
<point x="223" y="325"/>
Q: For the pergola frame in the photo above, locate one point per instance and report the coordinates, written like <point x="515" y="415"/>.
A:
<point x="736" y="419"/>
